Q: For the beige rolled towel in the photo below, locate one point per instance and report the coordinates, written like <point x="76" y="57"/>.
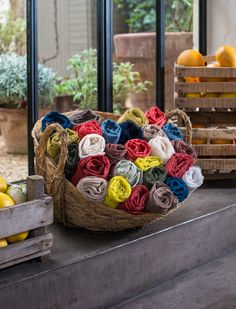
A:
<point x="91" y="145"/>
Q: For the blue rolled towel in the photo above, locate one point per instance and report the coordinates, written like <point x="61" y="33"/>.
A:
<point x="111" y="131"/>
<point x="172" y="132"/>
<point x="129" y="130"/>
<point x="55" y="117"/>
<point x="178" y="187"/>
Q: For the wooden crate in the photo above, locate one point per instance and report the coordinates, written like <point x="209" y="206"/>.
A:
<point x="218" y="115"/>
<point x="32" y="216"/>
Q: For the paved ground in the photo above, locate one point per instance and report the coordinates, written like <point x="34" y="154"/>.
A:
<point x="12" y="167"/>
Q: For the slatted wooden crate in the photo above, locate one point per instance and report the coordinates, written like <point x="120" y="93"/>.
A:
<point x="32" y="216"/>
<point x="217" y="115"/>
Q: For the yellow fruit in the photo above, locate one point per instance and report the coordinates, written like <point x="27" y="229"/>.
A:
<point x="226" y="56"/>
<point x="5" y="200"/>
<point x="211" y="95"/>
<point x="227" y="95"/>
<point x="17" y="237"/>
<point x="3" y="184"/>
<point x="3" y="243"/>
<point x="191" y="57"/>
<point x="193" y="95"/>
<point x="199" y="141"/>
<point x="192" y="79"/>
<point x="221" y="141"/>
<point x="213" y="79"/>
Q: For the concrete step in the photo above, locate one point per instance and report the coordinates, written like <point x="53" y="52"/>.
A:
<point x="212" y="286"/>
<point x="89" y="270"/>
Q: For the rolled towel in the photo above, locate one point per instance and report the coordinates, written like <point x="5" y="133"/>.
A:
<point x="84" y="116"/>
<point x="117" y="192"/>
<point x="115" y="152"/>
<point x="89" y="127"/>
<point x="161" y="146"/>
<point x="161" y="198"/>
<point x="111" y="131"/>
<point x="93" y="188"/>
<point x="153" y="175"/>
<point x="91" y="166"/>
<point x="178" y="187"/>
<point x="55" y="117"/>
<point x="182" y="147"/>
<point x="145" y="163"/>
<point x="137" y="148"/>
<point x="178" y="164"/>
<point x="155" y="116"/>
<point x="72" y="160"/>
<point x="136" y="115"/>
<point x="137" y="201"/>
<point x="91" y="145"/>
<point x="152" y="130"/>
<point x="193" y="178"/>
<point x="129" y="130"/>
<point x="129" y="171"/>
<point x="54" y="142"/>
<point x="172" y="132"/>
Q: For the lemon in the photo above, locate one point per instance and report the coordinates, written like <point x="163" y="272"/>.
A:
<point x="5" y="200"/>
<point x="213" y="79"/>
<point x="192" y="79"/>
<point x="221" y="141"/>
<point x="3" y="184"/>
<point x="193" y="95"/>
<point x="211" y="95"/>
<point x="17" y="237"/>
<point x="3" y="243"/>
<point x="191" y="57"/>
<point x="226" y="56"/>
<point x="227" y="95"/>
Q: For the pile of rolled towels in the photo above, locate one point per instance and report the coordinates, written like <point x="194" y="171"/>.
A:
<point x="138" y="164"/>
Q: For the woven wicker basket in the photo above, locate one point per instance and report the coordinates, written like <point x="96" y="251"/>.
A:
<point x="70" y="207"/>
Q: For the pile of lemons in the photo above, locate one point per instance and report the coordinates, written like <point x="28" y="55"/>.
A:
<point x="7" y="200"/>
<point x="225" y="56"/>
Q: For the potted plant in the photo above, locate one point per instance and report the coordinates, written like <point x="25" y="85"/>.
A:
<point x="81" y="81"/>
<point x="13" y="99"/>
<point x="139" y="45"/>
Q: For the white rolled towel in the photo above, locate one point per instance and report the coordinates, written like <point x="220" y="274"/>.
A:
<point x="91" y="145"/>
<point x="161" y="147"/>
<point x="193" y="178"/>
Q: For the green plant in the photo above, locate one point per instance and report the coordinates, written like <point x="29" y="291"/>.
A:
<point x="82" y="81"/>
<point x="12" y="34"/>
<point x="140" y="15"/>
<point x="13" y="82"/>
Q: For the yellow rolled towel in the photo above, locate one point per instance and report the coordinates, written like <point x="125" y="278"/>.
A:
<point x="145" y="163"/>
<point x="118" y="191"/>
<point x="54" y="143"/>
<point x="136" y="115"/>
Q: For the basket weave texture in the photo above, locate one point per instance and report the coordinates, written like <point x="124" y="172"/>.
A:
<point x="70" y="207"/>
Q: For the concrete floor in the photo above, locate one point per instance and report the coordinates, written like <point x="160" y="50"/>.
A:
<point x="212" y="286"/>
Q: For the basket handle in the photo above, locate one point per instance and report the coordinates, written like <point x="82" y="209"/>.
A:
<point x="186" y="120"/>
<point x="41" y="149"/>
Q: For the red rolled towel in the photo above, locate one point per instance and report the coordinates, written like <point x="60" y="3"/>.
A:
<point x="91" y="166"/>
<point x="155" y="116"/>
<point x="182" y="147"/>
<point x="136" y="202"/>
<point x="137" y="148"/>
<point x="90" y="127"/>
<point x="178" y="164"/>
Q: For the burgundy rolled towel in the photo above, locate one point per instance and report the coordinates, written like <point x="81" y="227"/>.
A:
<point x="136" y="202"/>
